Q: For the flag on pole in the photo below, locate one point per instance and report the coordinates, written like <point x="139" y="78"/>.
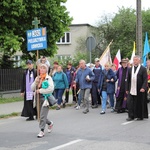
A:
<point x="106" y="57"/>
<point x="146" y="50"/>
<point x="133" y="53"/>
<point x="117" y="59"/>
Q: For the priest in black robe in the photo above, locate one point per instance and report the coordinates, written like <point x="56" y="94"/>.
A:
<point x="137" y="91"/>
<point x="28" y="78"/>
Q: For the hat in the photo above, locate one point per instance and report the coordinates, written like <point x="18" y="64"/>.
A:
<point x="97" y="59"/>
<point x="29" y="61"/>
<point x="123" y="61"/>
<point x="44" y="65"/>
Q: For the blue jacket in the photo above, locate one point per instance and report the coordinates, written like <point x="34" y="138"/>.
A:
<point x="110" y="85"/>
<point x="60" y="80"/>
<point x="81" y="78"/>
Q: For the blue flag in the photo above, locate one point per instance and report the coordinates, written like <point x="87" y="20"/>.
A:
<point x="146" y="50"/>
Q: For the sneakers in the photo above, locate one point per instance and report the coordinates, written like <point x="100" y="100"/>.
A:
<point x="50" y="127"/>
<point x="112" y="110"/>
<point x="78" y="107"/>
<point x="85" y="111"/>
<point x="102" y="112"/>
<point x="41" y="134"/>
<point x="95" y="106"/>
<point x="57" y="108"/>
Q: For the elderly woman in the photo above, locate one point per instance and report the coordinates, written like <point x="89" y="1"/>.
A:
<point x="39" y="85"/>
<point x="106" y="86"/>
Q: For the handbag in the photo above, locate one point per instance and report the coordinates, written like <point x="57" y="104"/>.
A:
<point x="51" y="99"/>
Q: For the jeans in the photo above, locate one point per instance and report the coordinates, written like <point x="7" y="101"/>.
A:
<point x="79" y="98"/>
<point x="104" y="100"/>
<point x="111" y="98"/>
<point x="58" y="95"/>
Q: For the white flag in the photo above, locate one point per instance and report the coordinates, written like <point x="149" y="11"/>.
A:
<point x="106" y="57"/>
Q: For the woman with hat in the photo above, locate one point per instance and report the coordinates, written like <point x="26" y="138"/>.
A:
<point x="44" y="86"/>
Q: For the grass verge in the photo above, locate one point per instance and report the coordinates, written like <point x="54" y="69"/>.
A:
<point x="14" y="114"/>
<point x="10" y="100"/>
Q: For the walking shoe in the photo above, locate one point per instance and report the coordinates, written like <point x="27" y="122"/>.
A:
<point x="95" y="106"/>
<point x="85" y="111"/>
<point x="102" y="112"/>
<point x="29" y="119"/>
<point x="130" y="119"/>
<point x="57" y="108"/>
<point x="41" y="134"/>
<point x="78" y="107"/>
<point x="50" y="127"/>
<point x="112" y="110"/>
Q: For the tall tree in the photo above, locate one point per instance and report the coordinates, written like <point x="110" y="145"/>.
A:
<point x="16" y="18"/>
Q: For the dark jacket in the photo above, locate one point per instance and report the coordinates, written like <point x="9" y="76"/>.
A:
<point x="110" y="87"/>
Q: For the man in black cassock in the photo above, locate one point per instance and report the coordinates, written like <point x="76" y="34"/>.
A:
<point x="137" y="91"/>
<point x="28" y="78"/>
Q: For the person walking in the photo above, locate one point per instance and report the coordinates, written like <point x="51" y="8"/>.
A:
<point x="137" y="91"/>
<point x="106" y="87"/>
<point x="60" y="85"/>
<point x="121" y="95"/>
<point x="84" y="78"/>
<point x="44" y="86"/>
<point x="28" y="78"/>
<point x="97" y="70"/>
<point x="70" y="70"/>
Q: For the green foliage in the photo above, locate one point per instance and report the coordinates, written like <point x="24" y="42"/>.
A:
<point x="17" y="16"/>
<point x="121" y="28"/>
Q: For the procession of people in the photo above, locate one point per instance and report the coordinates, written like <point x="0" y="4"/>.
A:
<point x="123" y="90"/>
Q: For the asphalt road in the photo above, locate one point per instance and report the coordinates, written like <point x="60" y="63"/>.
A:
<point x="74" y="130"/>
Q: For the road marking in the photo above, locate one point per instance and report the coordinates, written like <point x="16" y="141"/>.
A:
<point x="125" y="123"/>
<point x="65" y="145"/>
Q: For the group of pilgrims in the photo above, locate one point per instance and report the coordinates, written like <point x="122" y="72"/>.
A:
<point x="123" y="90"/>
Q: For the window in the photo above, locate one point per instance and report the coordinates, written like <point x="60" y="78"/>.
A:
<point x="66" y="39"/>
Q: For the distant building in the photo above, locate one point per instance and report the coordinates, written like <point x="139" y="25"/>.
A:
<point x="68" y="43"/>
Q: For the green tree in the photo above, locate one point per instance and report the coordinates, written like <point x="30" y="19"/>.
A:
<point x="16" y="18"/>
<point x="121" y="28"/>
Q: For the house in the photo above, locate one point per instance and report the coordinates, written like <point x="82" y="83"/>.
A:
<point x="67" y="45"/>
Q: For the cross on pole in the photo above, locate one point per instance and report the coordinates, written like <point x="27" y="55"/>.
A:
<point x="35" y="23"/>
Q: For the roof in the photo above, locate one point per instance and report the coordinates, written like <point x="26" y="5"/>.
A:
<point x="84" y="24"/>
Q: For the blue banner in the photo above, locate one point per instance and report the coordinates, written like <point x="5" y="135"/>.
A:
<point x="36" y="39"/>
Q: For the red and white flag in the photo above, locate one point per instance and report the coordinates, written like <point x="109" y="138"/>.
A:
<point x="117" y="59"/>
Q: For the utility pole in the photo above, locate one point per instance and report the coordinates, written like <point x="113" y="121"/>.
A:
<point x="139" y="47"/>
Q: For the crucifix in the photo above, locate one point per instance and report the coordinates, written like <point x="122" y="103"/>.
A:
<point x="35" y="23"/>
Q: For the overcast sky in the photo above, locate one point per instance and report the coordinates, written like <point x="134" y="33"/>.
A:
<point x="90" y="11"/>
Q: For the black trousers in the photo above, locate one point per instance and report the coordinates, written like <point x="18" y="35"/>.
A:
<point x="119" y="101"/>
<point x="132" y="106"/>
<point x="95" y="95"/>
<point x="73" y="95"/>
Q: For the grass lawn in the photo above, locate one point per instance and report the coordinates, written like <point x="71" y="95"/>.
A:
<point x="10" y="100"/>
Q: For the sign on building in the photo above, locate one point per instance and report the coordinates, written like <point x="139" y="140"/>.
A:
<point x="36" y="39"/>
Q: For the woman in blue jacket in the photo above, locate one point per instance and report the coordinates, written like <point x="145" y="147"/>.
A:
<point x="60" y="85"/>
<point x="106" y="86"/>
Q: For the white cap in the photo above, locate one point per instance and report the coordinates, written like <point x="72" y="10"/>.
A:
<point x="97" y="59"/>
